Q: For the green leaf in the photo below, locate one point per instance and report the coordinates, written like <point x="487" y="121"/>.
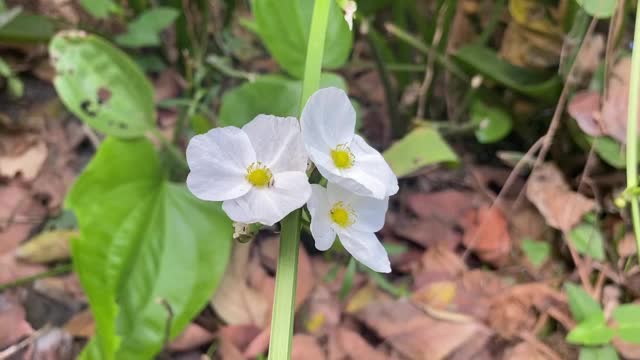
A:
<point x="592" y="331"/>
<point x="143" y="239"/>
<point x="100" y="8"/>
<point x="284" y="25"/>
<point x="628" y="318"/>
<point x="6" y="16"/>
<point x="145" y="29"/>
<point x="610" y="151"/>
<point x="588" y="240"/>
<point x="526" y="81"/>
<point x="598" y="8"/>
<point x="421" y="147"/>
<point x="493" y="123"/>
<point x="606" y="352"/>
<point x="536" y="251"/>
<point x="269" y="94"/>
<point x="24" y="27"/>
<point x="581" y="304"/>
<point x="101" y="85"/>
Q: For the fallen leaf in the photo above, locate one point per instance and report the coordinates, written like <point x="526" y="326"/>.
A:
<point x="305" y="347"/>
<point x="11" y="312"/>
<point x="584" y="107"/>
<point x="11" y="270"/>
<point x="346" y="344"/>
<point x="561" y="207"/>
<point x="26" y="164"/>
<point x="524" y="350"/>
<point x="615" y="106"/>
<point x="486" y="233"/>
<point x="234" y="301"/>
<point x="192" y="337"/>
<point x="47" y="247"/>
<point x="81" y="325"/>
<point x="447" y="206"/>
<point x="54" y="344"/>
<point x="323" y="311"/>
<point x="439" y="294"/>
<point x="64" y="289"/>
<point x="414" y="334"/>
<point x="627" y="246"/>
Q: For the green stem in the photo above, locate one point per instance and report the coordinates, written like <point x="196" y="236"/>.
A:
<point x="424" y="48"/>
<point x="60" y="269"/>
<point x="287" y="270"/>
<point x="632" y="131"/>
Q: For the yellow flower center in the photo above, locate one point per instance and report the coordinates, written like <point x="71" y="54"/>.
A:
<point x="259" y="175"/>
<point x="342" y="157"/>
<point x="342" y="215"/>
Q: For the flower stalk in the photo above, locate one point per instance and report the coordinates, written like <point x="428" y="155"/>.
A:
<point x="632" y="131"/>
<point x="286" y="273"/>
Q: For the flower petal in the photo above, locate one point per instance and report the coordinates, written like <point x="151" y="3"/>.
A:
<point x="328" y="120"/>
<point x="365" y="247"/>
<point x="321" y="230"/>
<point x="218" y="161"/>
<point x="290" y="191"/>
<point x="370" y="212"/>
<point x="277" y="142"/>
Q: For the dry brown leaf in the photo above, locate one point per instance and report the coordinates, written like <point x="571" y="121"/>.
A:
<point x="447" y="206"/>
<point x="305" y="347"/>
<point x="12" y="317"/>
<point x="584" y="107"/>
<point x="615" y="106"/>
<point x="54" y="344"/>
<point x="346" y="344"/>
<point x="235" y="302"/>
<point x="81" y="325"/>
<point x="192" y="337"/>
<point x="26" y="164"/>
<point x="561" y="207"/>
<point x="486" y="233"/>
<point x="323" y="312"/>
<point x="11" y="270"/>
<point x="64" y="289"/>
<point x="47" y="247"/>
<point x="523" y="351"/>
<point x="627" y="246"/>
<point x="414" y="334"/>
<point x="439" y="294"/>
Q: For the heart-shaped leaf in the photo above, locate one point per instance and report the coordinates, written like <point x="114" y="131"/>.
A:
<point x="145" y="244"/>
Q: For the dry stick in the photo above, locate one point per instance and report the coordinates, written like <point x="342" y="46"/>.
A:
<point x="428" y="74"/>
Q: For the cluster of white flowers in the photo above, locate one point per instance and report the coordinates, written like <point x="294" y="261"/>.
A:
<point x="259" y="172"/>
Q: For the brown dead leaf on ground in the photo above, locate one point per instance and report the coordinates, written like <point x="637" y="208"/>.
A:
<point x="11" y="312"/>
<point x="54" y="344"/>
<point x="487" y="234"/>
<point x="346" y="344"/>
<point x="323" y="311"/>
<point x="235" y="301"/>
<point x="447" y="206"/>
<point x="561" y="207"/>
<point x="584" y="107"/>
<point x="81" y="325"/>
<point x="19" y="213"/>
<point x="305" y="347"/>
<point x="523" y="351"/>
<point x="192" y="337"/>
<point x="11" y="269"/>
<point x="615" y="106"/>
<point x="427" y="232"/>
<point x="413" y="333"/>
<point x="627" y="246"/>
<point x="439" y="259"/>
<point x="27" y="164"/>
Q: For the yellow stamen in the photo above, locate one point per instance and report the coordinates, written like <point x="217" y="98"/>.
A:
<point x="342" y="215"/>
<point x="259" y="175"/>
<point x="342" y="157"/>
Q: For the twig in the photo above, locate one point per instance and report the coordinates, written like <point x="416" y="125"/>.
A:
<point x="60" y="269"/>
<point x="428" y="74"/>
<point x="167" y="327"/>
<point x="9" y="352"/>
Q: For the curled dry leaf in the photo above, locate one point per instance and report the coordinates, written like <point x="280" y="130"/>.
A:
<point x="487" y="234"/>
<point x="561" y="207"/>
<point x="47" y="247"/>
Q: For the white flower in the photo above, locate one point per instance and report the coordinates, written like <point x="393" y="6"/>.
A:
<point x="258" y="171"/>
<point x="354" y="219"/>
<point x="328" y="129"/>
